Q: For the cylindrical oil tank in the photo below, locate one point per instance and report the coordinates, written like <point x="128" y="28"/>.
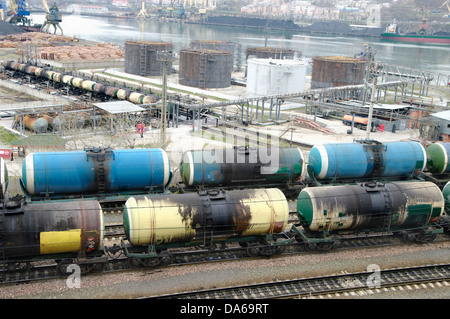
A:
<point x="111" y="91"/>
<point x="271" y="53"/>
<point x="437" y="158"/>
<point x="190" y="218"/>
<point x="141" y="58"/>
<point x="96" y="171"/>
<point x="446" y="193"/>
<point x="242" y="166"/>
<point x="214" y="45"/>
<point x="330" y="71"/>
<point x="273" y="77"/>
<point x="122" y="94"/>
<point x="67" y="79"/>
<point x="359" y="160"/>
<point x="205" y="68"/>
<point x="88" y="85"/>
<point x="370" y="206"/>
<point x="4" y="177"/>
<point x="136" y="97"/>
<point x="34" y="123"/>
<point x="149" y="99"/>
<point x="57" y="77"/>
<point x="77" y="82"/>
<point x="52" y="228"/>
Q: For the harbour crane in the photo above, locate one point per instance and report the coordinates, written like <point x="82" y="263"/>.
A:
<point x="20" y="12"/>
<point x="52" y="17"/>
<point x="448" y="8"/>
<point x="143" y="13"/>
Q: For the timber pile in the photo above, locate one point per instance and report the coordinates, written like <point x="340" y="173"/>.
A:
<point x="57" y="47"/>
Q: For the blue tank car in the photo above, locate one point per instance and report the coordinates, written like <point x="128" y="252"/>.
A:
<point x="366" y="159"/>
<point x="98" y="171"/>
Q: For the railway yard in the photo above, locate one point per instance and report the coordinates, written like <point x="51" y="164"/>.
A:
<point x="393" y="215"/>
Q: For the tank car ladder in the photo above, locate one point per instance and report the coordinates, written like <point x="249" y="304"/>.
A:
<point x="99" y="156"/>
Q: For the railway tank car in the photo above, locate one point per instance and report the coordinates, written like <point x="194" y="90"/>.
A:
<point x="366" y="159"/>
<point x="165" y="221"/>
<point x="395" y="206"/>
<point x="438" y="158"/>
<point x="81" y="83"/>
<point x="62" y="231"/>
<point x="242" y="166"/>
<point x="96" y="171"/>
<point x="4" y="177"/>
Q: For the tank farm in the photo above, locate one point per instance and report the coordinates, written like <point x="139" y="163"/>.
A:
<point x="227" y="201"/>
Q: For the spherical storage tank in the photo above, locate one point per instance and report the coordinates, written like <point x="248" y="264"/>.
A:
<point x="82" y="172"/>
<point x="272" y="77"/>
<point x="141" y="57"/>
<point x="240" y="166"/>
<point x="437" y="158"/>
<point x="371" y="206"/>
<point x="330" y="71"/>
<point x="359" y="160"/>
<point x="204" y="68"/>
<point x="195" y="218"/>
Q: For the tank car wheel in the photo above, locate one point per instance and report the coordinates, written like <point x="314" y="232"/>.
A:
<point x="310" y="247"/>
<point x="253" y="249"/>
<point x="61" y="267"/>
<point x="134" y="262"/>
<point x="408" y="238"/>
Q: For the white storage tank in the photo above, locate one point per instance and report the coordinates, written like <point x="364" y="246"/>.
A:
<point x="274" y="76"/>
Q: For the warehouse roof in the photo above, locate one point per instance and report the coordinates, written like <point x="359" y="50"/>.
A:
<point x="118" y="107"/>
<point x="445" y="115"/>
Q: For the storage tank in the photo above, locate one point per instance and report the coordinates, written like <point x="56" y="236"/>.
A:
<point x="52" y="228"/>
<point x="446" y="193"/>
<point x="194" y="218"/>
<point x="330" y="71"/>
<point x="213" y="45"/>
<point x="205" y="68"/>
<point x="141" y="58"/>
<point x="437" y="158"/>
<point x="370" y="206"/>
<point x="242" y="166"/>
<point x="96" y="171"/>
<point x="4" y="178"/>
<point x="34" y="123"/>
<point x="271" y="53"/>
<point x="364" y="159"/>
<point x="273" y="77"/>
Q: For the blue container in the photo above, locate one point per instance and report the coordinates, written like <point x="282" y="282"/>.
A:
<point x="366" y="159"/>
<point x="96" y="171"/>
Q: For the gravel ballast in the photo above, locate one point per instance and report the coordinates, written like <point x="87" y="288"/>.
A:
<point x="159" y="281"/>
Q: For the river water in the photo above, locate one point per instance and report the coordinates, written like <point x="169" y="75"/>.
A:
<point x="432" y="58"/>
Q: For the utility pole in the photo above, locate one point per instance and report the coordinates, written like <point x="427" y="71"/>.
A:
<point x="165" y="57"/>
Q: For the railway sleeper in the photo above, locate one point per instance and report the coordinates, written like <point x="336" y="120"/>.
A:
<point x="87" y="265"/>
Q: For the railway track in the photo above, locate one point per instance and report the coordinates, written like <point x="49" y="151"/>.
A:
<point x="326" y="285"/>
<point x="27" y="272"/>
